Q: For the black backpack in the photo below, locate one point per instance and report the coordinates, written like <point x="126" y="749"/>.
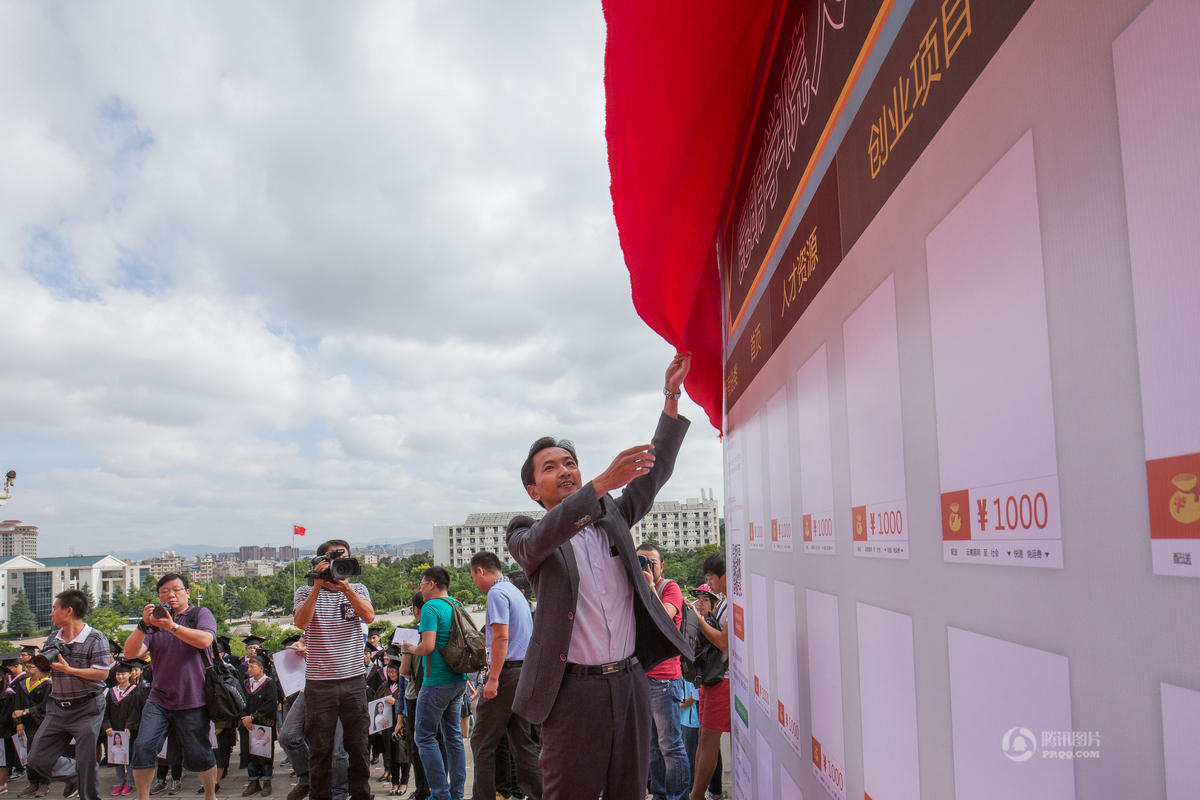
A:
<point x="466" y="649"/>
<point x="224" y="697"/>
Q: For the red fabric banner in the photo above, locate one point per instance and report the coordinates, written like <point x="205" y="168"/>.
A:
<point x="680" y="84"/>
<point x="297" y="530"/>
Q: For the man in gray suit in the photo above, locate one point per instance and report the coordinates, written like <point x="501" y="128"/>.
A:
<point x="598" y="625"/>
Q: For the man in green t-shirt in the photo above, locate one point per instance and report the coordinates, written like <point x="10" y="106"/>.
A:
<point x="439" y="702"/>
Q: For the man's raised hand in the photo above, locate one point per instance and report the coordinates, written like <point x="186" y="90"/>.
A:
<point x="677" y="370"/>
<point x="629" y="464"/>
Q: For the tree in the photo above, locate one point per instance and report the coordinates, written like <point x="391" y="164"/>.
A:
<point x="252" y="600"/>
<point x="21" y="621"/>
<point x="464" y="597"/>
<point x="212" y="598"/>
<point x="232" y="601"/>
<point x="105" y="620"/>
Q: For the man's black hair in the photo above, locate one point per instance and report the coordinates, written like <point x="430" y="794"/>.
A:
<point x="520" y="580"/>
<point x="714" y="565"/>
<point x="439" y="576"/>
<point x="488" y="560"/>
<point x="324" y="546"/>
<point x="648" y="545"/>
<point x="75" y="600"/>
<point x="537" y="447"/>
<point x="170" y="576"/>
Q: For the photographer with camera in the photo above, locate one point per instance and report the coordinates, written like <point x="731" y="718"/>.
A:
<point x="175" y="634"/>
<point x="331" y="611"/>
<point x="77" y="657"/>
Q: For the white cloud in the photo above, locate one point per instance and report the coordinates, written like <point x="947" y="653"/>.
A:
<point x="329" y="264"/>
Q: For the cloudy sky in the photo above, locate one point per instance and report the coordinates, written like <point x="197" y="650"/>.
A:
<point x="333" y="264"/>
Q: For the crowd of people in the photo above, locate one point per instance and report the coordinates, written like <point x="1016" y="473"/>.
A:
<point x="581" y="697"/>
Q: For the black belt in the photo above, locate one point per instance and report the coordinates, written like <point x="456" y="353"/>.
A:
<point x="611" y="668"/>
<point x="74" y="701"/>
<point x="514" y="662"/>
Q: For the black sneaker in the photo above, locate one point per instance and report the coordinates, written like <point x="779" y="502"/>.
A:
<point x="159" y="787"/>
<point x="175" y="787"/>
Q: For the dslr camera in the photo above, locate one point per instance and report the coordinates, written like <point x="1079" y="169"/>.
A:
<point x="339" y="568"/>
<point x="48" y="656"/>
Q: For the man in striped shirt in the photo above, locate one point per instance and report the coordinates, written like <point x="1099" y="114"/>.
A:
<point x="76" y="706"/>
<point x="331" y="614"/>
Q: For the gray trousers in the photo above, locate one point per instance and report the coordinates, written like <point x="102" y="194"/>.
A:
<point x="597" y="738"/>
<point x="291" y="739"/>
<point x="80" y="721"/>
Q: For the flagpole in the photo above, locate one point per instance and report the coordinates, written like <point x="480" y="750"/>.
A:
<point x="294" y="552"/>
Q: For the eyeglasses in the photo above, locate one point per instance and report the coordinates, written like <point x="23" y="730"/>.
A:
<point x="166" y="590"/>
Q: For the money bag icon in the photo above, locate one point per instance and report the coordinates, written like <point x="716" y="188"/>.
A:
<point x="955" y="518"/>
<point x="1185" y="503"/>
<point x="858" y="525"/>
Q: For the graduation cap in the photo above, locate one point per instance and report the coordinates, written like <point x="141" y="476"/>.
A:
<point x="114" y="646"/>
<point x="123" y="666"/>
<point x="257" y="659"/>
<point x="29" y="649"/>
<point x="140" y="663"/>
<point x="393" y="651"/>
<point x="222" y="643"/>
<point x="290" y="640"/>
<point x="253" y="641"/>
<point x="9" y="659"/>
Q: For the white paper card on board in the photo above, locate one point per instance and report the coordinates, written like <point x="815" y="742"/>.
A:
<point x="814" y="442"/>
<point x="1155" y="61"/>
<point x="779" y="479"/>
<point x="760" y="614"/>
<point x="879" y="506"/>
<point x="1004" y="697"/>
<point x="1181" y="733"/>
<point x="825" y="692"/>
<point x="997" y="456"/>
<point x="765" y="774"/>
<point x="787" y="655"/>
<point x="788" y="790"/>
<point x="888" y="694"/>
<point x="742" y="773"/>
<point x="752" y="450"/>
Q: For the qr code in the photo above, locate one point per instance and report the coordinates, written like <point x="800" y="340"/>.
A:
<point x="735" y="552"/>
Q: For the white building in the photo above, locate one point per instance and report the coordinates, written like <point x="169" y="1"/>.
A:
<point x="18" y="539"/>
<point x="44" y="578"/>
<point x="672" y="524"/>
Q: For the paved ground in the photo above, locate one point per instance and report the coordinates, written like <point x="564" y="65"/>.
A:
<point x="283" y="782"/>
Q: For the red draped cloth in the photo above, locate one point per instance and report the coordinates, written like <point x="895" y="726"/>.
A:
<point x="680" y="84"/>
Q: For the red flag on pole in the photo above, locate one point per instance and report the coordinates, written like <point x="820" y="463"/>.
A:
<point x="297" y="530"/>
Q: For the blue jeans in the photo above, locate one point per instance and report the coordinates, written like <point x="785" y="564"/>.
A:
<point x="439" y="707"/>
<point x="191" y="727"/>
<point x="669" y="776"/>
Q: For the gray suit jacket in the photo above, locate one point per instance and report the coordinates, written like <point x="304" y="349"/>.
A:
<point x="544" y="551"/>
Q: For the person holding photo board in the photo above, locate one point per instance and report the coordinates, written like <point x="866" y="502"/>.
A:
<point x="261" y="700"/>
<point x="123" y="713"/>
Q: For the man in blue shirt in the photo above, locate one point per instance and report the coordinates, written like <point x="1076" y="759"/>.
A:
<point x="507" y="626"/>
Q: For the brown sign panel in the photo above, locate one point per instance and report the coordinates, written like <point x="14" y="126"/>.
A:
<point x="819" y="52"/>
<point x="814" y="252"/>
<point x="750" y="353"/>
<point x="941" y="49"/>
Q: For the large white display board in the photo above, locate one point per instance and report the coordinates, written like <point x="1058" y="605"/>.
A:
<point x="887" y="687"/>
<point x="997" y="459"/>
<point x="879" y="507"/>
<point x="1156" y="61"/>
<point x="825" y="692"/>
<point x="814" y="443"/>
